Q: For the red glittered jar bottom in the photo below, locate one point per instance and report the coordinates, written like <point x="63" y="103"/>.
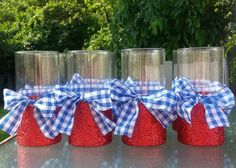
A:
<point x="29" y="133"/>
<point x="147" y="131"/>
<point x="85" y="131"/>
<point x="176" y="124"/>
<point x="198" y="133"/>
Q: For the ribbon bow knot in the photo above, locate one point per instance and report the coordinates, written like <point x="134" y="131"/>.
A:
<point x="69" y="96"/>
<point x="32" y="102"/>
<point x="158" y="101"/>
<point x="17" y="104"/>
<point x="217" y="104"/>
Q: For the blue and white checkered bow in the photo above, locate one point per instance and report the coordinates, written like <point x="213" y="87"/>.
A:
<point x="69" y="96"/>
<point x="17" y="103"/>
<point x="158" y="101"/>
<point x="217" y="104"/>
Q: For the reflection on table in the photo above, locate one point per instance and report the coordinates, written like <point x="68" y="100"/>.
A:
<point x="118" y="155"/>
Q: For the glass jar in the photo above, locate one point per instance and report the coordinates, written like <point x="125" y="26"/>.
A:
<point x="204" y="66"/>
<point x="145" y="66"/>
<point x="36" y="68"/>
<point x="96" y="64"/>
<point x="36" y="74"/>
<point x="201" y="64"/>
<point x="96" y="69"/>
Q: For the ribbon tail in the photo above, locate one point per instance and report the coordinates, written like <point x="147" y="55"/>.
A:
<point x="185" y="109"/>
<point x="45" y="124"/>
<point x="116" y="109"/>
<point x="11" y="121"/>
<point x="161" y="105"/>
<point x="215" y="116"/>
<point x="225" y="100"/>
<point x="104" y="123"/>
<point x="127" y="119"/>
<point x="65" y="119"/>
<point x="164" y="118"/>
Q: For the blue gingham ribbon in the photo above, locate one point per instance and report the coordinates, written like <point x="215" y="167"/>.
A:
<point x="17" y="102"/>
<point x="69" y="96"/>
<point x="157" y="100"/>
<point x="78" y="80"/>
<point x="218" y="103"/>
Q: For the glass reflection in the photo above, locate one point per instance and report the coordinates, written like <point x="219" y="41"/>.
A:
<point x="8" y="153"/>
<point x="62" y="67"/>
<point x="96" y="157"/>
<point x="208" y="157"/>
<point x="135" y="157"/>
<point x="118" y="155"/>
<point x="41" y="157"/>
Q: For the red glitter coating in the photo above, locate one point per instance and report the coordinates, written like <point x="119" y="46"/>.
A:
<point x="147" y="131"/>
<point x="29" y="133"/>
<point x="176" y="124"/>
<point x="198" y="133"/>
<point x="85" y="131"/>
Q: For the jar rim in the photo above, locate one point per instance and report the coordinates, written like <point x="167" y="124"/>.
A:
<point x="36" y="52"/>
<point x="89" y="51"/>
<point x="143" y="50"/>
<point x="200" y="48"/>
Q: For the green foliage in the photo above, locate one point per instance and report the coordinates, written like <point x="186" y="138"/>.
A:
<point x="102" y="12"/>
<point x="3" y="135"/>
<point x="115" y="24"/>
<point x="49" y="25"/>
<point x="171" y="24"/>
<point x="232" y="63"/>
<point x="231" y="44"/>
<point x="44" y="25"/>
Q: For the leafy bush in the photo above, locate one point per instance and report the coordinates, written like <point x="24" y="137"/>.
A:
<point x="3" y="135"/>
<point x="102" y="11"/>
<point x="232" y="60"/>
<point x="168" y="24"/>
<point x="171" y="24"/>
<point x="47" y="25"/>
<point x="42" y="25"/>
<point x="115" y="24"/>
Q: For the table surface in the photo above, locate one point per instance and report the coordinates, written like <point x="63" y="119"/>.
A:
<point x="118" y="155"/>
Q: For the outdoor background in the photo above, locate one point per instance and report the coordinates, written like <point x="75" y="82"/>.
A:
<point x="114" y="24"/>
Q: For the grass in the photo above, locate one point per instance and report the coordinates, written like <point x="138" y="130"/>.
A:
<point x="3" y="135"/>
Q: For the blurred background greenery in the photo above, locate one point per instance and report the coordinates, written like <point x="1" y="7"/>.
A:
<point x="113" y="24"/>
<point x="3" y="135"/>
